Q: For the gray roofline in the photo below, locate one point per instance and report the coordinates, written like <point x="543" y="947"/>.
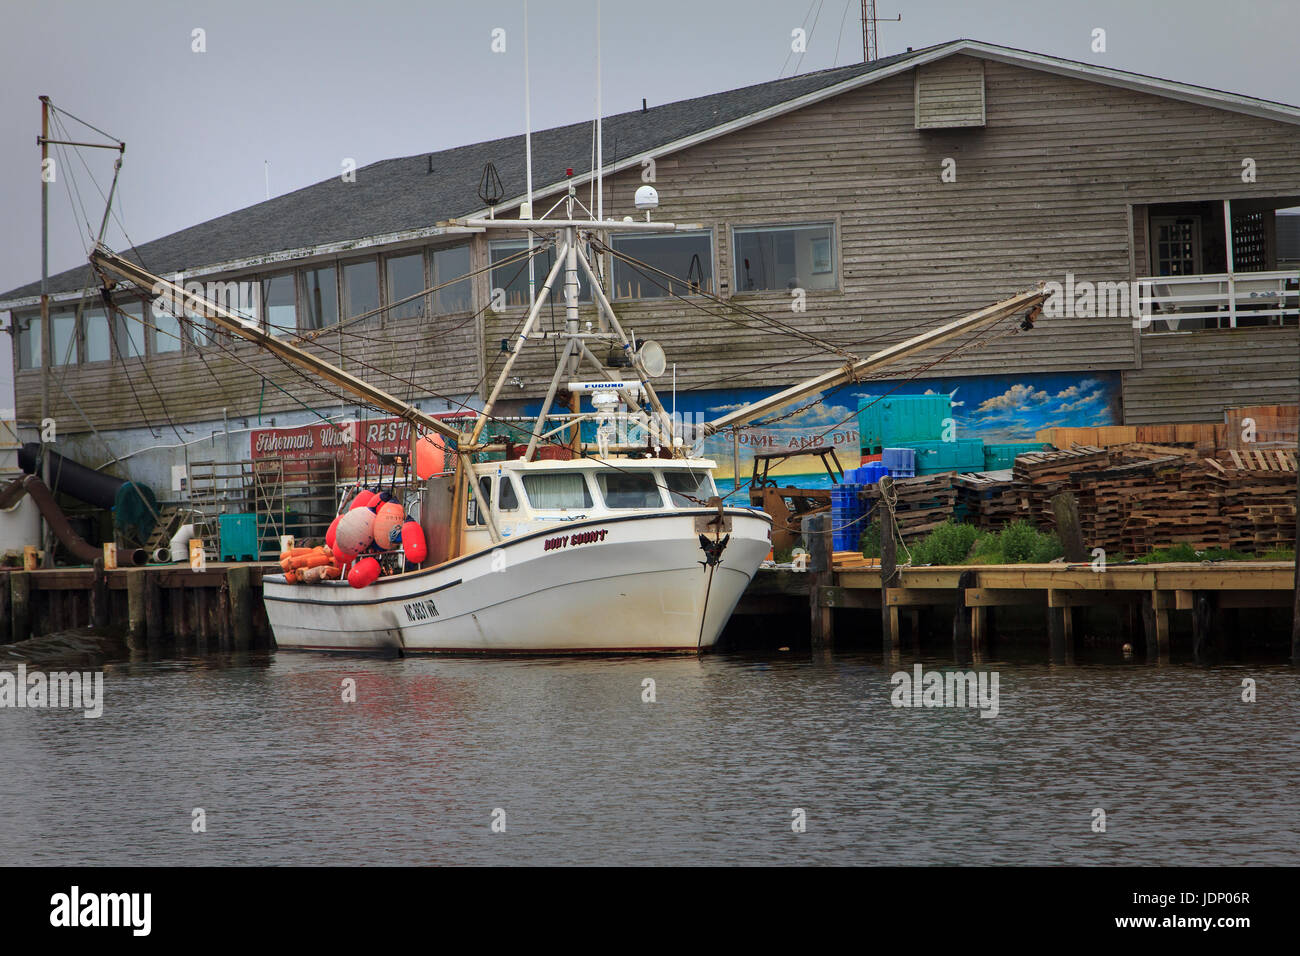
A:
<point x="1203" y="96"/>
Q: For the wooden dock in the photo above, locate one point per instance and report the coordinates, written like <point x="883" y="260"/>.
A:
<point x="170" y="608"/>
<point x="162" y="607"/>
<point x="1146" y="595"/>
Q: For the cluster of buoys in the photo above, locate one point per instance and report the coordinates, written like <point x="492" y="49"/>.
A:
<point x="310" y="565"/>
<point x="373" y="522"/>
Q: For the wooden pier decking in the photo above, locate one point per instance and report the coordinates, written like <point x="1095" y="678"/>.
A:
<point x="1148" y="593"/>
<point x="170" y="607"/>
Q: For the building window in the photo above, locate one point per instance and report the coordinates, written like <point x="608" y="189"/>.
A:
<point x="447" y="265"/>
<point x="406" y="279"/>
<point x="129" y="331"/>
<point x="99" y="346"/>
<point x="280" y="305"/>
<point x="686" y="256"/>
<point x="166" y="331"/>
<point x="778" y="258"/>
<point x="29" y="341"/>
<point x="1178" y="246"/>
<point x="513" y="276"/>
<point x="63" y="326"/>
<point x="360" y="288"/>
<point x="320" y="297"/>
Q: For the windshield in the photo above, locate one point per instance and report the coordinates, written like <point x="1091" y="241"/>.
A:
<point x="684" y="486"/>
<point x="630" y="489"/>
<point x="557" y="492"/>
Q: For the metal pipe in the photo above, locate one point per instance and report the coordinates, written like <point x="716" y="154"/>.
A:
<point x="519" y="344"/>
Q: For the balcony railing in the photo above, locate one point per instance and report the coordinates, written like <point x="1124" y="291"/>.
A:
<point x="1221" y="301"/>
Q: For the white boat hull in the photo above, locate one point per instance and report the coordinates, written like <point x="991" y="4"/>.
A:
<point x="625" y="584"/>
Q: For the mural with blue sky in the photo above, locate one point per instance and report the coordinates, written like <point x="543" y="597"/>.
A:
<point x="995" y="408"/>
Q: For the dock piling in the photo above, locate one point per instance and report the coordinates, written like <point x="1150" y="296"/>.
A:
<point x="20" y="596"/>
<point x="137" y="621"/>
<point x="239" y="580"/>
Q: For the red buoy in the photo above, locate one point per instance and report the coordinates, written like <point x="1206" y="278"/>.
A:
<point x="364" y="573"/>
<point x="413" y="544"/>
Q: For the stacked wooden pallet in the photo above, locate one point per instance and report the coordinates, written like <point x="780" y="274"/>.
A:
<point x="986" y="501"/>
<point x="1257" y="490"/>
<point x="1040" y="476"/>
<point x="922" y="504"/>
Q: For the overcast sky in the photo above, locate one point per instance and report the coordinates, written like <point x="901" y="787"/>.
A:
<point x="304" y="85"/>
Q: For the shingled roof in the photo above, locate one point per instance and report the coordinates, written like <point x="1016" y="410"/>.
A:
<point x="394" y="195"/>
<point x="399" y="195"/>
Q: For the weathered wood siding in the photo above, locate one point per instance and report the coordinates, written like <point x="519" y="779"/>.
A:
<point x="1191" y="377"/>
<point x="1044" y="188"/>
<point x="950" y="93"/>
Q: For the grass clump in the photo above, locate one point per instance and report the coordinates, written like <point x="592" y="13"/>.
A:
<point x="949" y="543"/>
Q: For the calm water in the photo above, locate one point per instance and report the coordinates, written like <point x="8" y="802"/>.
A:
<point x="587" y="773"/>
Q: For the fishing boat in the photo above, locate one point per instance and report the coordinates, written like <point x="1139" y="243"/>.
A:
<point x="624" y="547"/>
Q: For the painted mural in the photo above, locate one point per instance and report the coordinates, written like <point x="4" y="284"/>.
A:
<point x="995" y="408"/>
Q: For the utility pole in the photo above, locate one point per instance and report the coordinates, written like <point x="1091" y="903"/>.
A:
<point x="47" y="349"/>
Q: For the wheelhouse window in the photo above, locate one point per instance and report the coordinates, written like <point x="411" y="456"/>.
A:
<point x="473" y="514"/>
<point x="99" y="346"/>
<point x="280" y="304"/>
<point x="689" y="489"/>
<point x="29" y="341"/>
<point x="630" y="490"/>
<point x="686" y="256"/>
<point x="320" y="297"/>
<point x="448" y="264"/>
<point x="508" y="500"/>
<point x="566" y="491"/>
<point x="513" y="276"/>
<point x="63" y="334"/>
<point x="778" y="258"/>
<point x="406" y="279"/>
<point x="128" y="331"/>
<point x="360" y="288"/>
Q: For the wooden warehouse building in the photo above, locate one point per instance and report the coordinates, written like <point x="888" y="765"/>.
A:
<point x="894" y="193"/>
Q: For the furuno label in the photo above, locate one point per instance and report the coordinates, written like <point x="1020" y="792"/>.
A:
<point x="582" y="537"/>
<point x="424" y="610"/>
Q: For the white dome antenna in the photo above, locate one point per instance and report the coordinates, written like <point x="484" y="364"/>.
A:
<point x="647" y="198"/>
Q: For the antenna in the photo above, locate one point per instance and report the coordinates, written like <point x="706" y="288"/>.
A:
<point x="528" y="163"/>
<point x="870" y="47"/>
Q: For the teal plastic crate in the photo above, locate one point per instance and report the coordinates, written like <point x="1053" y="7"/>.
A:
<point x="1004" y="455"/>
<point x="900" y="420"/>
<point x="936" y="457"/>
<point x="238" y="537"/>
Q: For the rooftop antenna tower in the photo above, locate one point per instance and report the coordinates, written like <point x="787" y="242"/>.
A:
<point x="870" y="47"/>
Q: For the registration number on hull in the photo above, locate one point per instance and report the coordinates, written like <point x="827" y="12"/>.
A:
<point x="424" y="610"/>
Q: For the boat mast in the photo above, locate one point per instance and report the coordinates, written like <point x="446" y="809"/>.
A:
<point x="1029" y="302"/>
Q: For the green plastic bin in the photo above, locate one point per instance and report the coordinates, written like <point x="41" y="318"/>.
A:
<point x="898" y="421"/>
<point x="238" y="537"/>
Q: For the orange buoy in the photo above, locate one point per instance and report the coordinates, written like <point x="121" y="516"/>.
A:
<point x="414" y="546"/>
<point x="355" y="532"/>
<point x="387" y="520"/>
<point x="428" y="457"/>
<point x="364" y="573"/>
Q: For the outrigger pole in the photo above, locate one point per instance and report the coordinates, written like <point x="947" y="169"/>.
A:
<point x="1029" y="302"/>
<point x="105" y="260"/>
